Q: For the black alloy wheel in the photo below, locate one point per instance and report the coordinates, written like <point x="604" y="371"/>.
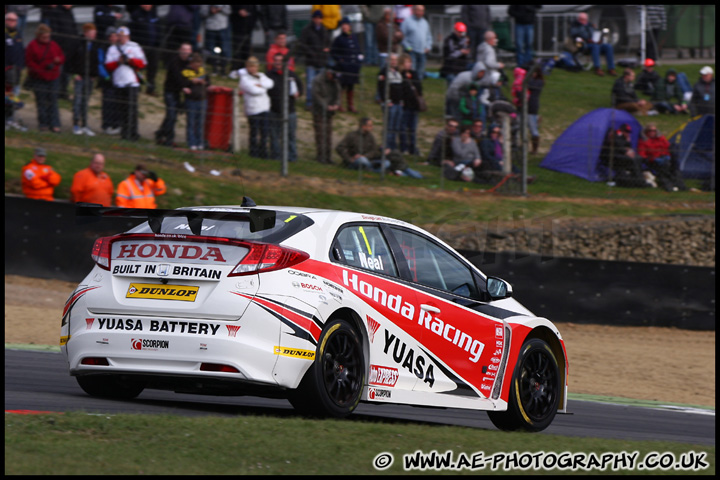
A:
<point x="342" y="367"/>
<point x="534" y="391"/>
<point x="334" y="383"/>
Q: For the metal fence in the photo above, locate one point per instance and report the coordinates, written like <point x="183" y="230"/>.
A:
<point x="223" y="119"/>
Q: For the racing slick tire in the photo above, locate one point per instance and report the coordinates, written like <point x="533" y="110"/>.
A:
<point x="110" y="386"/>
<point x="333" y="384"/>
<point x="534" y="390"/>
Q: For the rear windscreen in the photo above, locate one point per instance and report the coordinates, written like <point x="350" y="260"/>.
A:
<point x="286" y="225"/>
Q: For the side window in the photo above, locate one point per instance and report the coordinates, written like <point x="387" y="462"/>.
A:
<point x="364" y="246"/>
<point x="433" y="266"/>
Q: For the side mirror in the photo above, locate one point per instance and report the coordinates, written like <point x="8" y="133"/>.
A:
<point x="498" y="288"/>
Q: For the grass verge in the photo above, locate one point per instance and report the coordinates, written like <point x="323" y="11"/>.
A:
<point x="417" y="201"/>
<point x="77" y="443"/>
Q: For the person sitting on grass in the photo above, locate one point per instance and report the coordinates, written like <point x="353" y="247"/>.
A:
<point x="648" y="78"/>
<point x="359" y="151"/>
<point x="625" y="98"/>
<point x="466" y="159"/>
<point x="441" y="149"/>
<point x="654" y="150"/>
<point x="668" y="96"/>
<point x="621" y="160"/>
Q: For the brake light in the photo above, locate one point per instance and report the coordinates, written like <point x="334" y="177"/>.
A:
<point x="218" y="367"/>
<point x="266" y="258"/>
<point x="101" y="361"/>
<point x="101" y="252"/>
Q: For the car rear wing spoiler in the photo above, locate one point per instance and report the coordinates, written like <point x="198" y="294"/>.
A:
<point x="259" y="219"/>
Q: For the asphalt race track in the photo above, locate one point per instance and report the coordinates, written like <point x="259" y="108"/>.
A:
<point x="39" y="381"/>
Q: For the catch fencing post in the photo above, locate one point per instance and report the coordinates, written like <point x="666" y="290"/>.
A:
<point x="524" y="125"/>
<point x="507" y="144"/>
<point x="284" y="91"/>
<point x="236" y="120"/>
<point x="386" y="113"/>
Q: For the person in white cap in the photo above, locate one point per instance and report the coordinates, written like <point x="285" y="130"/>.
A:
<point x="125" y="59"/>
<point x="703" y="94"/>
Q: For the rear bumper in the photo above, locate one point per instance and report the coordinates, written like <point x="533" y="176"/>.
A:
<point x="159" y="347"/>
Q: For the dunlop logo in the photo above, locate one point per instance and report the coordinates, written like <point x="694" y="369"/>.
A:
<point x="295" y="353"/>
<point x="162" y="292"/>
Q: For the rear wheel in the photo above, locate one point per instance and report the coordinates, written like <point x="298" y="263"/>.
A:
<point x="333" y="384"/>
<point x="110" y="386"/>
<point x="534" y="392"/>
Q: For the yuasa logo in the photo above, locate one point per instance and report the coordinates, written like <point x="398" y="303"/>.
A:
<point x="185" y="252"/>
<point x="232" y="330"/>
<point x="407" y="358"/>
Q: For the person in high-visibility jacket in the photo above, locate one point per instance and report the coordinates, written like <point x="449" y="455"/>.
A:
<point x="92" y="184"/>
<point x="139" y="189"/>
<point x="38" y="179"/>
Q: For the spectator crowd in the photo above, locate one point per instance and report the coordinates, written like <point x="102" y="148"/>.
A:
<point x="122" y="61"/>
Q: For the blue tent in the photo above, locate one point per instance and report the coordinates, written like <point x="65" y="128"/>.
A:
<point x="577" y="149"/>
<point x="693" y="144"/>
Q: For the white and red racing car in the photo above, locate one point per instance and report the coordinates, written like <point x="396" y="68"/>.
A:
<point x="326" y="308"/>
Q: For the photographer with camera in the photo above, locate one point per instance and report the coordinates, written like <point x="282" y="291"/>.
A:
<point x="139" y="189"/>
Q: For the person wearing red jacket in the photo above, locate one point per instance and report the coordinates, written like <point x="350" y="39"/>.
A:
<point x="44" y="58"/>
<point x="654" y="150"/>
<point x="279" y="46"/>
<point x="125" y="59"/>
<point x="92" y="184"/>
<point x="139" y="189"/>
<point x="38" y="179"/>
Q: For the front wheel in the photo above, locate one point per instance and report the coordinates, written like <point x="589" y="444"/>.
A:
<point x="334" y="382"/>
<point x="534" y="392"/>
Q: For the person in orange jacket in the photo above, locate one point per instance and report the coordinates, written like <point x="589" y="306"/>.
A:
<point x="38" y="179"/>
<point x="139" y="189"/>
<point x="92" y="184"/>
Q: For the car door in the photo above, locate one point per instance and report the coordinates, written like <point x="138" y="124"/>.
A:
<point x="468" y="343"/>
<point x="386" y="305"/>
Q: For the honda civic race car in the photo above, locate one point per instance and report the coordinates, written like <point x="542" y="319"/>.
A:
<point x="325" y="308"/>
